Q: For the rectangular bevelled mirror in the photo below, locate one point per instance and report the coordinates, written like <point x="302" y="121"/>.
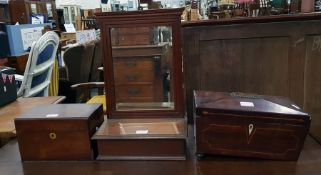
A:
<point x="143" y="67"/>
<point x="143" y="64"/>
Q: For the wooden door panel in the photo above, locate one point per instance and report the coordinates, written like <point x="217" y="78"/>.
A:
<point x="312" y="83"/>
<point x="259" y="65"/>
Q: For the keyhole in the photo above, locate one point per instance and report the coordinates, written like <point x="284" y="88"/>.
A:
<point x="52" y="136"/>
<point x="251" y="126"/>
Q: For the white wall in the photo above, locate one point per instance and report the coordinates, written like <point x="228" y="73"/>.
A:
<point x="85" y="4"/>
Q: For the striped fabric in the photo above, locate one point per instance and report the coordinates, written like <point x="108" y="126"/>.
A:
<point x="54" y="82"/>
<point x="100" y="99"/>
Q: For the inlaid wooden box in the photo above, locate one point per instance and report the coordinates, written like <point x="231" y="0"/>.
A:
<point x="237" y="124"/>
<point x="59" y="132"/>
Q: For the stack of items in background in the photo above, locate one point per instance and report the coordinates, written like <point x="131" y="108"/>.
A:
<point x="217" y="9"/>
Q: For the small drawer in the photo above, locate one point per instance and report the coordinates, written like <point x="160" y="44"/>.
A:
<point x="134" y="39"/>
<point x="134" y="76"/>
<point x="131" y="64"/>
<point x="143" y="90"/>
<point x="135" y="93"/>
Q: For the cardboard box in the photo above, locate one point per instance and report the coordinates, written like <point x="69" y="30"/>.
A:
<point x="68" y="35"/>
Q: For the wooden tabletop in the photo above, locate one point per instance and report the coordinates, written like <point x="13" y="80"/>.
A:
<point x="309" y="163"/>
<point x="10" y="111"/>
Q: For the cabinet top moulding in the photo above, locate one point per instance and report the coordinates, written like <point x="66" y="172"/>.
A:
<point x="154" y="15"/>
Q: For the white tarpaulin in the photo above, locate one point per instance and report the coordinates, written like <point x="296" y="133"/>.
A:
<point x="84" y="4"/>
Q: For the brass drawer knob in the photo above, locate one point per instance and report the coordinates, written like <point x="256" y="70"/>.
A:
<point x="205" y="113"/>
<point x="131" y="64"/>
<point x="132" y="77"/>
<point x="52" y="136"/>
<point x="133" y="91"/>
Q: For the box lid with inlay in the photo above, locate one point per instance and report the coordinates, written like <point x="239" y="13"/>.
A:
<point x="242" y="103"/>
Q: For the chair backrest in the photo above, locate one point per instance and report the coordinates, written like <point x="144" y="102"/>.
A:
<point x="78" y="60"/>
<point x="39" y="66"/>
<point x="96" y="62"/>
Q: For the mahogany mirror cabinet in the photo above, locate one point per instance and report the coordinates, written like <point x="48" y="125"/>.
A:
<point x="143" y="82"/>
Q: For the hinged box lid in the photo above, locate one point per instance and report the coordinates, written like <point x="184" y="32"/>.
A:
<point x="61" y="112"/>
<point x="242" y="103"/>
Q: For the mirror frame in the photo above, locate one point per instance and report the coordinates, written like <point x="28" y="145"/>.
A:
<point x="146" y="18"/>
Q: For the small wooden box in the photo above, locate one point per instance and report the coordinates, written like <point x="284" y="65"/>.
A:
<point x="59" y="132"/>
<point x="244" y="125"/>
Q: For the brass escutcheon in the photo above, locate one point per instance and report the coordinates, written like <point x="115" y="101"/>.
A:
<point x="205" y="113"/>
<point x="52" y="136"/>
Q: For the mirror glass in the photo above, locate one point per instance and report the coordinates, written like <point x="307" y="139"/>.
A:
<point x="49" y="10"/>
<point x="142" y="62"/>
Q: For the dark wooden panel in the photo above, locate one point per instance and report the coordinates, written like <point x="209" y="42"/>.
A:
<point x="258" y="65"/>
<point x="191" y="63"/>
<point x="312" y="83"/>
<point x="18" y="62"/>
<point x="246" y="31"/>
<point x="18" y="12"/>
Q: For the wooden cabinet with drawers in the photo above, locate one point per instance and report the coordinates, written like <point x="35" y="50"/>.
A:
<point x="143" y="80"/>
<point x="139" y="76"/>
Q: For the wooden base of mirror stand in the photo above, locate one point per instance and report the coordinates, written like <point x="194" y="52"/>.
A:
<point x="142" y="139"/>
